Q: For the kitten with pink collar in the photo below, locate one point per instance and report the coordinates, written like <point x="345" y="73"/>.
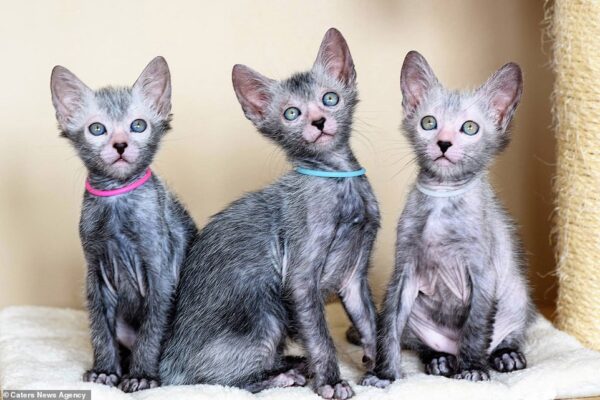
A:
<point x="134" y="232"/>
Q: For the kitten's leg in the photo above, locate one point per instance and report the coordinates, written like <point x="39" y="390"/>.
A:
<point x="101" y="304"/>
<point x="309" y="315"/>
<point x="436" y="363"/>
<point x="143" y="370"/>
<point x="397" y="306"/>
<point x="358" y="302"/>
<point x="476" y="332"/>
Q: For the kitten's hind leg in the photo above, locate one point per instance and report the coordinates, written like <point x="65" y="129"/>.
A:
<point x="292" y="373"/>
<point x="439" y="364"/>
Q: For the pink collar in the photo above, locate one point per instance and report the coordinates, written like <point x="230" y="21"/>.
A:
<point x="122" y="190"/>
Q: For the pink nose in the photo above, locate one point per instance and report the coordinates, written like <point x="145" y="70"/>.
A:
<point x="445" y="135"/>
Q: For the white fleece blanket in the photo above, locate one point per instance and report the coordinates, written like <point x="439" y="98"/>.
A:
<point x="49" y="348"/>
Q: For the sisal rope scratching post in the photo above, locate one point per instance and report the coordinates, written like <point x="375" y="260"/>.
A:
<point x="575" y="29"/>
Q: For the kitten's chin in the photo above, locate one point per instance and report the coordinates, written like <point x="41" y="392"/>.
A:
<point x="121" y="169"/>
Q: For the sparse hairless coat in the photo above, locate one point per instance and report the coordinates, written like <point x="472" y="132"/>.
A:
<point x="261" y="270"/>
<point x="459" y="293"/>
<point x="134" y="241"/>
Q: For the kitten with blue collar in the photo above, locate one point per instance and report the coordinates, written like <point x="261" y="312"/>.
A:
<point x="262" y="269"/>
<point x="134" y="232"/>
<point x="459" y="294"/>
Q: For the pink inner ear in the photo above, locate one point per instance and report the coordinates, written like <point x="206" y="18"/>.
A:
<point x="255" y="95"/>
<point x="155" y="85"/>
<point x="67" y="94"/>
<point x="334" y="56"/>
<point x="252" y="90"/>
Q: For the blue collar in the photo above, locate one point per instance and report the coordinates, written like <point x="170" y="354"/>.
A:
<point x="330" y="174"/>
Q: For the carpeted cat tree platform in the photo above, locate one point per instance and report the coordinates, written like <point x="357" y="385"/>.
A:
<point x="48" y="348"/>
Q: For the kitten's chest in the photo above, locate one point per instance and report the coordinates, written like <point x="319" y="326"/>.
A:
<point x="349" y="202"/>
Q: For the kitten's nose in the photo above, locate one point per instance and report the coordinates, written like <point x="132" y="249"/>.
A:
<point x="120" y="147"/>
<point x="320" y="123"/>
<point x="444" y="145"/>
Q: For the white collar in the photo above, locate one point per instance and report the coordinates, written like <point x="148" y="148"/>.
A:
<point x="441" y="191"/>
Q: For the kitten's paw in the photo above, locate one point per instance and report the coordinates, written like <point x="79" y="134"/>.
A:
<point x="507" y="360"/>
<point x="103" y="378"/>
<point x="130" y="384"/>
<point x="371" y="379"/>
<point x="474" y="375"/>
<point x="339" y="391"/>
<point x="290" y="378"/>
<point x="441" y="365"/>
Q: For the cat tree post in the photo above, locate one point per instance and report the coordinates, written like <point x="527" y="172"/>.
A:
<point x="576" y="32"/>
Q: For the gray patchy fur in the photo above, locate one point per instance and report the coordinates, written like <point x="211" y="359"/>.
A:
<point x="134" y="243"/>
<point x="262" y="269"/>
<point x="459" y="270"/>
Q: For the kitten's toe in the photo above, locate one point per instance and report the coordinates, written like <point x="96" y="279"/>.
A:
<point x="508" y="360"/>
<point x="130" y="384"/>
<point x="442" y="365"/>
<point x="339" y="391"/>
<point x="474" y="375"/>
<point x="103" y="378"/>
<point x="371" y="379"/>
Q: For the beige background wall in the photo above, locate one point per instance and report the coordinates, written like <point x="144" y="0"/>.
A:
<point x="213" y="154"/>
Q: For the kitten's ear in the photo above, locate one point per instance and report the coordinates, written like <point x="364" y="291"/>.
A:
<point x="334" y="56"/>
<point x="252" y="91"/>
<point x="154" y="84"/>
<point x="68" y="95"/>
<point x="503" y="91"/>
<point x="416" y="79"/>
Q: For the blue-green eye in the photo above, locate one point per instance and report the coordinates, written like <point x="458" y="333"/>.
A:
<point x="428" y="123"/>
<point x="469" y="128"/>
<point x="330" y="99"/>
<point x="291" y="113"/>
<point x="139" y="125"/>
<point x="97" y="129"/>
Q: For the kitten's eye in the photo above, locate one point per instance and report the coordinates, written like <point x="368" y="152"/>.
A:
<point x="470" y="128"/>
<point x="428" y="123"/>
<point x="139" y="125"/>
<point x="291" y="113"/>
<point x="97" y="129"/>
<point x="330" y="99"/>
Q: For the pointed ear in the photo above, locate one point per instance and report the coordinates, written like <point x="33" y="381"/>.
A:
<point x="252" y="91"/>
<point x="154" y="84"/>
<point x="334" y="56"/>
<point x="503" y="92"/>
<point x="68" y="95"/>
<point x="416" y="79"/>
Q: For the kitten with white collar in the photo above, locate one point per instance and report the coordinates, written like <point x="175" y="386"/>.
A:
<point x="459" y="294"/>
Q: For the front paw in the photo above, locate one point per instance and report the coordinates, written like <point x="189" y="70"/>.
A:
<point x="338" y="391"/>
<point x="370" y="379"/>
<point x="474" y="375"/>
<point x="507" y="360"/>
<point x="131" y="384"/>
<point x="103" y="378"/>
